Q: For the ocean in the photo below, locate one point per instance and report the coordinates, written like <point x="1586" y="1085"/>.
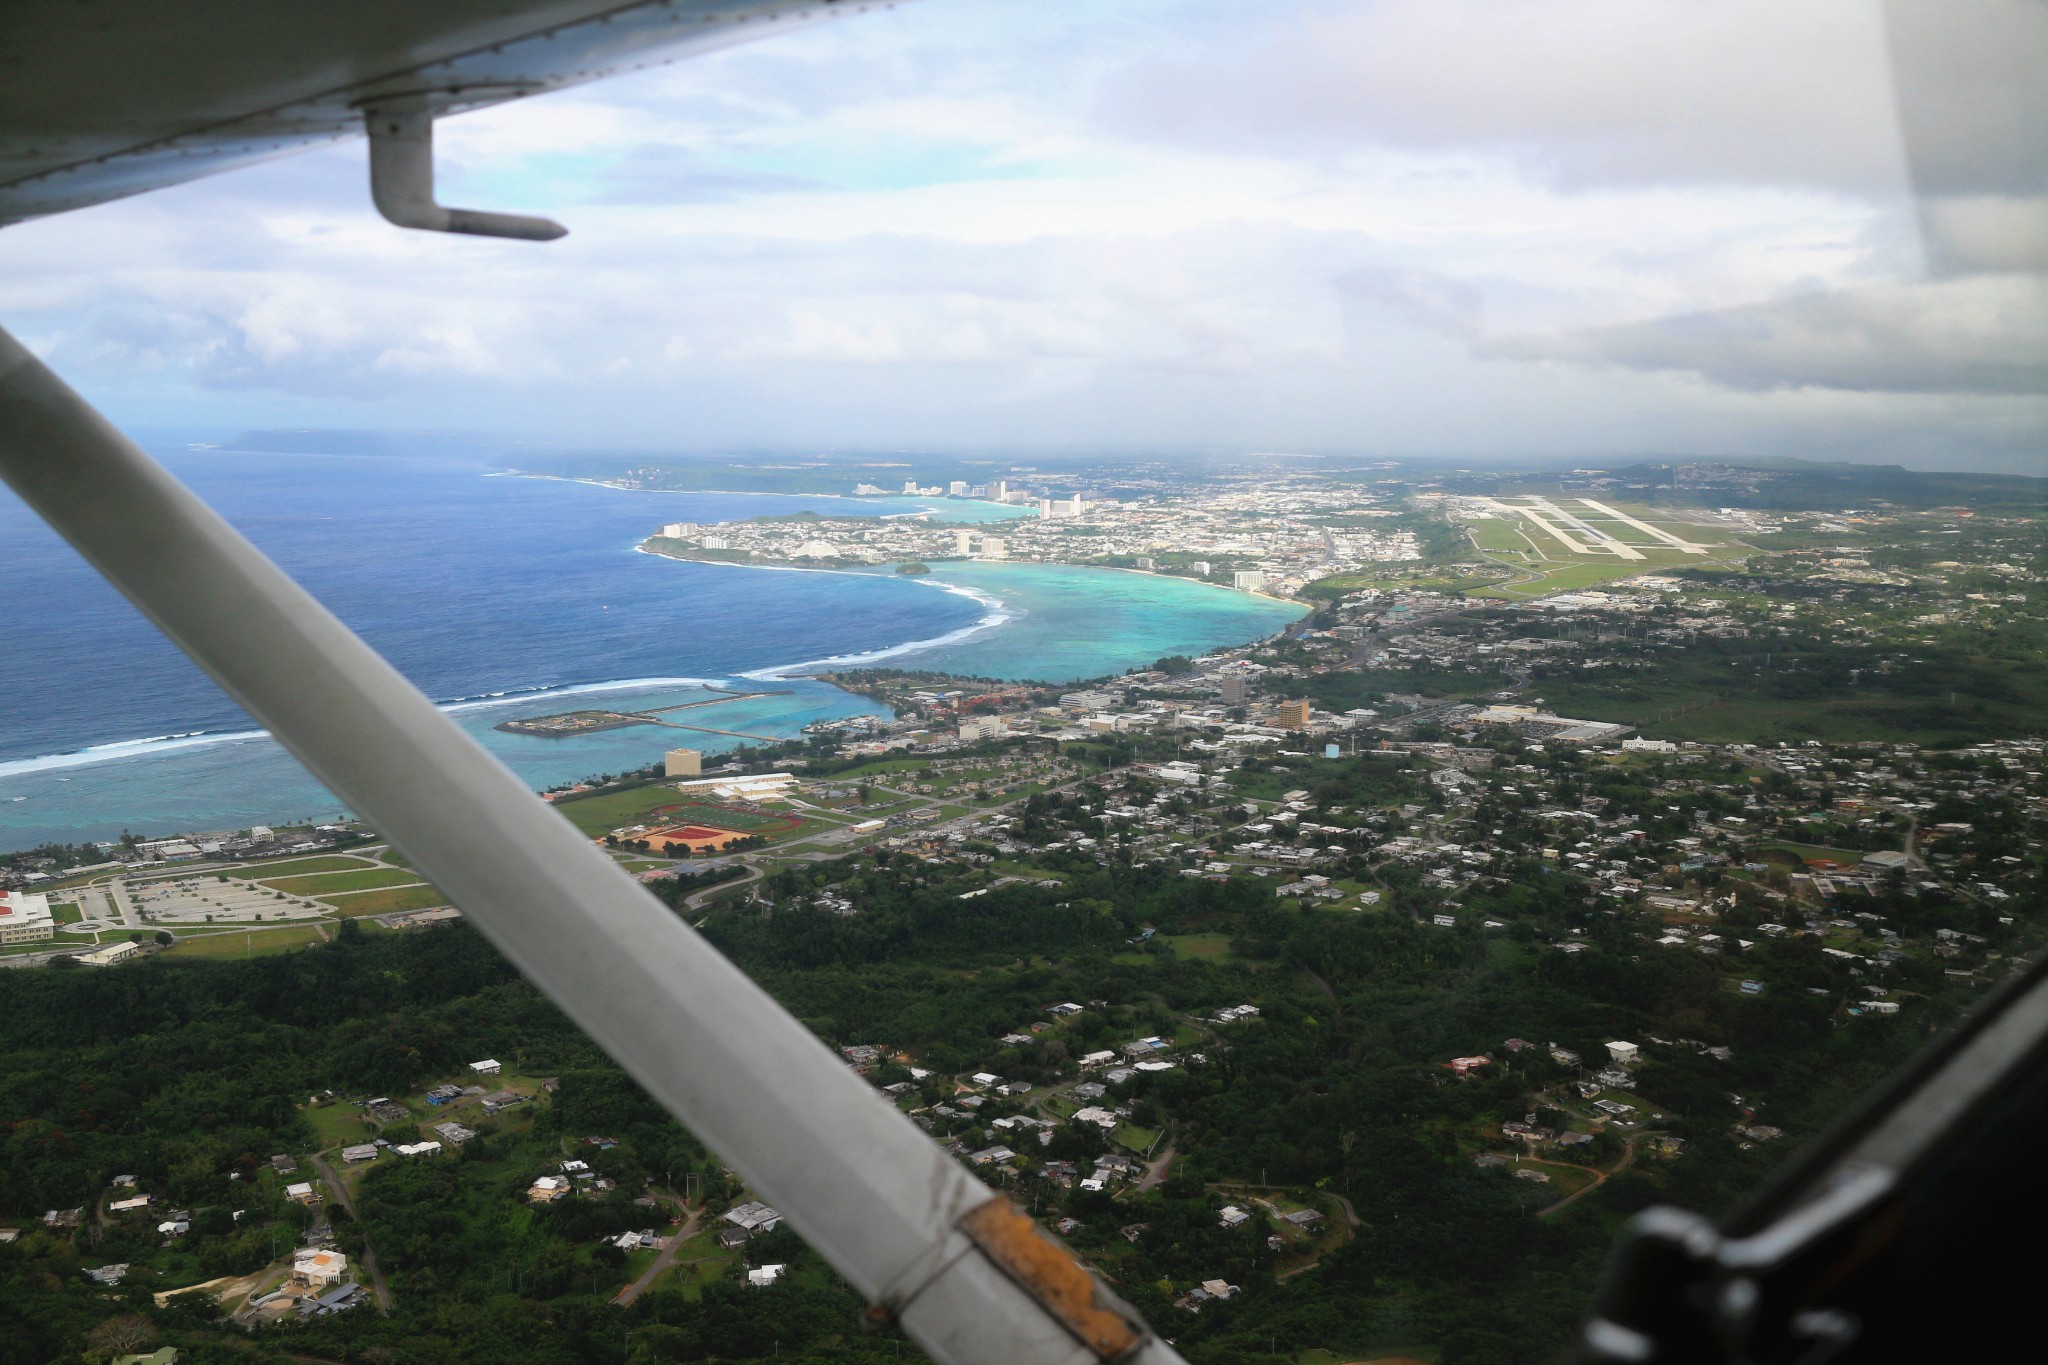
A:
<point x="503" y="596"/>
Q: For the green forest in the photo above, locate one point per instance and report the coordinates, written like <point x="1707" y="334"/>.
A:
<point x="1335" y="1098"/>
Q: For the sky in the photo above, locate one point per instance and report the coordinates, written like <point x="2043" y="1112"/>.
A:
<point x="1499" y="229"/>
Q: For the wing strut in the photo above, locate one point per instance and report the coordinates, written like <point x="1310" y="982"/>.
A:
<point x="401" y="133"/>
<point x="907" y="1225"/>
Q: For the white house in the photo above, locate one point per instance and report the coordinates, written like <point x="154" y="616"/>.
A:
<point x="318" y="1268"/>
<point x="1624" y="1053"/>
<point x="485" y="1068"/>
<point x="766" y="1275"/>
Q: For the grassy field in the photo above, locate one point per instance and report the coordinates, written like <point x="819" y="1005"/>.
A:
<point x="388" y="900"/>
<point x="66" y="912"/>
<point x="255" y="943"/>
<point x="296" y="867"/>
<point x="1497" y="535"/>
<point x="323" y="883"/>
<point x="602" y="813"/>
<point x="336" y="1125"/>
<point x="1215" y="947"/>
<point x="724" y="817"/>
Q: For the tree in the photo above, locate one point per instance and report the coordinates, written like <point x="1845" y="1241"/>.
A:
<point x="128" y="1334"/>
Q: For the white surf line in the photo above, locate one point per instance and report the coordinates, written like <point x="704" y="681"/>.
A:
<point x="1625" y="519"/>
<point x="1600" y="539"/>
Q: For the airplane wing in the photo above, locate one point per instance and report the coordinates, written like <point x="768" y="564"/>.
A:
<point x="115" y="97"/>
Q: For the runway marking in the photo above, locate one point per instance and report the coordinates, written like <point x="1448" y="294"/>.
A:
<point x="1645" y="527"/>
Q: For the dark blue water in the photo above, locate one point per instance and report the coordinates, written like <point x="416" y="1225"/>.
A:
<point x="471" y="584"/>
<point x="509" y="595"/>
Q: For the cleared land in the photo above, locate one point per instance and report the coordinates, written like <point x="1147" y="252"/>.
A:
<point x="252" y="943"/>
<point x="600" y="814"/>
<point x="323" y="883"/>
<point x="333" y="862"/>
<point x="389" y="900"/>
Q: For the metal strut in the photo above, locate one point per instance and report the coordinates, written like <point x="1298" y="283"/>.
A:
<point x="907" y="1225"/>
<point x="401" y="133"/>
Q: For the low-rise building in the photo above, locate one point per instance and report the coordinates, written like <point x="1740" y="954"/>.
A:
<point x="25" y="917"/>
<point x="318" y="1268"/>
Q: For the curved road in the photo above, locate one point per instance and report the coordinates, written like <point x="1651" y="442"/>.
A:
<point x="667" y="1258"/>
<point x="1628" y="1156"/>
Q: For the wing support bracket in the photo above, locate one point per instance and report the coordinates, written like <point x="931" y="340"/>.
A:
<point x="401" y="130"/>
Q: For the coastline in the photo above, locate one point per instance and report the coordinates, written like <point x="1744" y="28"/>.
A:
<point x="931" y="511"/>
<point x="834" y="567"/>
<point x="997" y="612"/>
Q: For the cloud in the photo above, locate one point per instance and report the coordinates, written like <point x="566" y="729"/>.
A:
<point x="1578" y="92"/>
<point x="1533" y="225"/>
<point x="651" y="173"/>
<point x="1986" y="334"/>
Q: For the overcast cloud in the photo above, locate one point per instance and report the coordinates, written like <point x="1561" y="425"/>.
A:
<point x="1459" y="227"/>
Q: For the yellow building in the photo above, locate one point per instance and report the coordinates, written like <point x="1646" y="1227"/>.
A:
<point x="1293" y="714"/>
<point x="683" y="763"/>
<point x="25" y="918"/>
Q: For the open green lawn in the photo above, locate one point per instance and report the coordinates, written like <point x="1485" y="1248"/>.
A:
<point x="252" y="943"/>
<point x="336" y="1125"/>
<point x="881" y="767"/>
<point x="606" y="811"/>
<point x="1497" y="534"/>
<point x="725" y="817"/>
<point x="298" y="867"/>
<point x="1137" y="1139"/>
<point x="1213" y="946"/>
<point x="323" y="883"/>
<point x="66" y="912"/>
<point x="388" y="900"/>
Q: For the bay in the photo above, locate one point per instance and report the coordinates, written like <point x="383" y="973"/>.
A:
<point x="498" y="595"/>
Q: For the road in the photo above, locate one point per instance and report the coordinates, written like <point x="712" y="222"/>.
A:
<point x="1156" y="1170"/>
<point x="116" y="892"/>
<point x="697" y="898"/>
<point x="369" y="1257"/>
<point x="667" y="1258"/>
<point x="769" y="859"/>
<point x="1628" y="1156"/>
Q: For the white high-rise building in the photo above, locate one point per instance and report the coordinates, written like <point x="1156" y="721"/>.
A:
<point x="957" y="489"/>
<point x="999" y="491"/>
<point x="910" y="488"/>
<point x="679" y="530"/>
<point x="993" y="547"/>
<point x="963" y="542"/>
<point x="1248" y="580"/>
